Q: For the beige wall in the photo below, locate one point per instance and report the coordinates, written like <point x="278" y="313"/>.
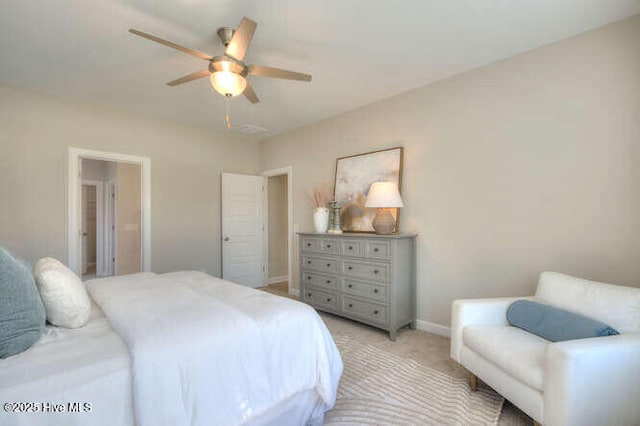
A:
<point x="35" y="133"/>
<point x="129" y="210"/>
<point x="525" y="165"/>
<point x="278" y="233"/>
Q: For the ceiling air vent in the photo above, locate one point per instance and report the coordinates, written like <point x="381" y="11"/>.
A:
<point x="250" y="129"/>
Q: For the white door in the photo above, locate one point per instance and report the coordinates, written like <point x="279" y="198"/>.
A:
<point x="84" y="232"/>
<point x="243" y="257"/>
<point x="110" y="248"/>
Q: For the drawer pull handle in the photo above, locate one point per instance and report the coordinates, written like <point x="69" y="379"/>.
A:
<point x="350" y="285"/>
<point x="308" y="277"/>
<point x="328" y="265"/>
<point x="351" y="305"/>
<point x="376" y="249"/>
<point x="350" y="267"/>
<point x="308" y="294"/>
<point x="328" y="299"/>
<point x="375" y="290"/>
<point x="308" y="262"/>
<point x="328" y="245"/>
<point x="328" y="281"/>
<point x="375" y="312"/>
<point x="308" y="244"/>
<point x="375" y="271"/>
<point x="350" y="247"/>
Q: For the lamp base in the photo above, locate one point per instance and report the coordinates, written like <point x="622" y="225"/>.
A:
<point x="384" y="223"/>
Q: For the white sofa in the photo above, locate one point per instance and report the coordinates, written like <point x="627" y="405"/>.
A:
<point x="583" y="382"/>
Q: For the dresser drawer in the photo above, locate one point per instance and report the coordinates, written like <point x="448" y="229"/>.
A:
<point x="370" y="311"/>
<point x="329" y="246"/>
<point x="320" y="298"/>
<point x="351" y="248"/>
<point x="377" y="249"/>
<point x="310" y="244"/>
<point x="319" y="280"/>
<point x="370" y="271"/>
<point x="378" y="292"/>
<point x="320" y="264"/>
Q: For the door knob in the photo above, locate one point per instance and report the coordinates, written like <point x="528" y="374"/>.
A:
<point x="226" y="238"/>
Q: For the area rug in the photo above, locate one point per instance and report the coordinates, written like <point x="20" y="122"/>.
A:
<point x="379" y="388"/>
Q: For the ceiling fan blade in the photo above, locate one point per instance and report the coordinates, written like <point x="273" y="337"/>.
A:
<point x="250" y="94"/>
<point x="173" y="45"/>
<point x="277" y="73"/>
<point x="241" y="39"/>
<point x="193" y="76"/>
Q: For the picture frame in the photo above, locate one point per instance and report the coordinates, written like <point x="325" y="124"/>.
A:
<point x="353" y="177"/>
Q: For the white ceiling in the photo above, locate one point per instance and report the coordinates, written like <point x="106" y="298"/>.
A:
<point x="359" y="51"/>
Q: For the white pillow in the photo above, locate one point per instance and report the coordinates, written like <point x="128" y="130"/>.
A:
<point x="63" y="294"/>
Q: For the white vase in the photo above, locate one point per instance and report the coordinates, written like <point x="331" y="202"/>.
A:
<point x="321" y="219"/>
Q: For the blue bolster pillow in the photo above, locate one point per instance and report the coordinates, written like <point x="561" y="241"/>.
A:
<point x="554" y="324"/>
<point x="22" y="314"/>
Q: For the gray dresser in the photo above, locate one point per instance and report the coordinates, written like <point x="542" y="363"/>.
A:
<point x="366" y="277"/>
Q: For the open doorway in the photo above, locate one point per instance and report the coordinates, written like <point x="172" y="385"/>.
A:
<point x="110" y="218"/>
<point x="91" y="205"/>
<point x="278" y="276"/>
<point x="279" y="231"/>
<point x="109" y="213"/>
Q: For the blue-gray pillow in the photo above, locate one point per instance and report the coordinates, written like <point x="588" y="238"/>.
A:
<point x="22" y="314"/>
<point x="554" y="324"/>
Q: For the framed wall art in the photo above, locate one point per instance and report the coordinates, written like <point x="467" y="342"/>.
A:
<point x="354" y="175"/>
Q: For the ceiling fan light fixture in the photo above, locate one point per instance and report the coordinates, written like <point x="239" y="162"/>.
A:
<point x="228" y="83"/>
<point x="228" y="72"/>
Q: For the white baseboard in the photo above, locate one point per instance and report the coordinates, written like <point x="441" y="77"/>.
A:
<point x="430" y="327"/>
<point x="278" y="279"/>
<point x="294" y="292"/>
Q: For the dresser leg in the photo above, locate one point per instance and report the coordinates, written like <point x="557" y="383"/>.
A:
<point x="392" y="335"/>
<point x="412" y="325"/>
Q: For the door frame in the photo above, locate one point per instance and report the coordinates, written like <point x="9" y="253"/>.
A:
<point x="74" y="240"/>
<point x="288" y="171"/>
<point x="100" y="224"/>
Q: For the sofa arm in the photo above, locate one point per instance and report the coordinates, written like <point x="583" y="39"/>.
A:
<point x="466" y="312"/>
<point x="593" y="381"/>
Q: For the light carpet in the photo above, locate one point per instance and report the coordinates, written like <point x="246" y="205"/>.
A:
<point x="378" y="387"/>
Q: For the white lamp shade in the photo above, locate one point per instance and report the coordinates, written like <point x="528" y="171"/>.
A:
<point x="383" y="194"/>
<point x="228" y="83"/>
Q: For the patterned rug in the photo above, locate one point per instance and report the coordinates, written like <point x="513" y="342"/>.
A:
<point x="379" y="388"/>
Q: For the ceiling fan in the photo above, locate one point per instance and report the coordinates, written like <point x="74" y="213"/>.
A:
<point x="228" y="72"/>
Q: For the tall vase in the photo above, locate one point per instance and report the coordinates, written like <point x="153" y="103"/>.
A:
<point x="321" y="219"/>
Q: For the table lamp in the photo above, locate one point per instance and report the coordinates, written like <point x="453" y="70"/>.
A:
<point x="384" y="195"/>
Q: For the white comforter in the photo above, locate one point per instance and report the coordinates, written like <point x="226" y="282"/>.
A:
<point x="206" y="351"/>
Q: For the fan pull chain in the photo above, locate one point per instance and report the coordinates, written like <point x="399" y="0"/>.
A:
<point x="226" y="117"/>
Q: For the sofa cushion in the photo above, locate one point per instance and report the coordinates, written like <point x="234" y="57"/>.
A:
<point x="511" y="349"/>
<point x="554" y="324"/>
<point x="22" y="315"/>
<point x="614" y="305"/>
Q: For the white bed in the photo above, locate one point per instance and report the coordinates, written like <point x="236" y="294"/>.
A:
<point x="195" y="350"/>
<point x="88" y="364"/>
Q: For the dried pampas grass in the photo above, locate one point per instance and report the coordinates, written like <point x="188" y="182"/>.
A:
<point x="321" y="195"/>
